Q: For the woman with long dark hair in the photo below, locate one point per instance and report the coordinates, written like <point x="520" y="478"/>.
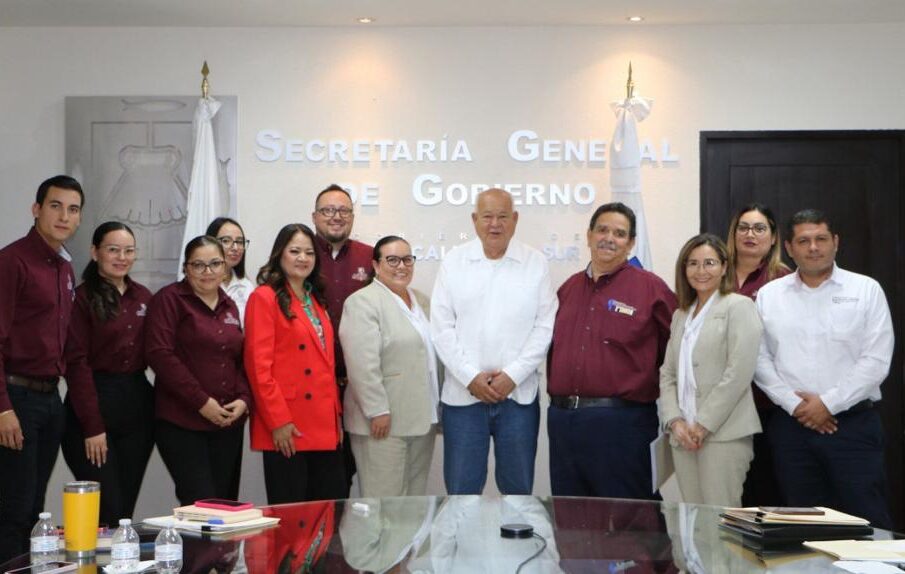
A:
<point x="194" y="344"/>
<point x="290" y="363"/>
<point x="230" y="235"/>
<point x="110" y="403"/>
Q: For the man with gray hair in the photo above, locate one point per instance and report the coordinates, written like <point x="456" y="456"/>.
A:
<point x="492" y="313"/>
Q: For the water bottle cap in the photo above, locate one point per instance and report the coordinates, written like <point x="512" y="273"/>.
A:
<point x="43" y="515"/>
<point x="125" y="521"/>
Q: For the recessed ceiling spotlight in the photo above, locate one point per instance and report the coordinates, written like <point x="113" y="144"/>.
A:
<point x="635" y="18"/>
<point x="366" y="20"/>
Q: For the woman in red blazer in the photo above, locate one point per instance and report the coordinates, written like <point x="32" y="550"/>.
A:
<point x="290" y="365"/>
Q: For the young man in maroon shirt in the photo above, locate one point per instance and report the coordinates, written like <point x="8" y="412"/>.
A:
<point x="603" y="367"/>
<point x="345" y="265"/>
<point x="37" y="288"/>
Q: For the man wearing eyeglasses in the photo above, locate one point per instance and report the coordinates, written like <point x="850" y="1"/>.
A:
<point x="37" y="289"/>
<point x="603" y="367"/>
<point x="344" y="265"/>
<point x="827" y="347"/>
<point x="492" y="313"/>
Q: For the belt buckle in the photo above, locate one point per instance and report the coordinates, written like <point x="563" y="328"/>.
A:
<point x="573" y="401"/>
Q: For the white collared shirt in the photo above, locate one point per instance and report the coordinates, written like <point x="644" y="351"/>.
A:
<point x="239" y="290"/>
<point x="491" y="315"/>
<point x="835" y="340"/>
<point x="687" y="385"/>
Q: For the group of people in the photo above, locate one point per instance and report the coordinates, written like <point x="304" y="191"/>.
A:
<point x="340" y="364"/>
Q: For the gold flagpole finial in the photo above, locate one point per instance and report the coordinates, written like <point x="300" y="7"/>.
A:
<point x="205" y="85"/>
<point x="629" y="85"/>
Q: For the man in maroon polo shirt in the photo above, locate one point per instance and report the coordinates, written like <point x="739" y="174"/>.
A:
<point x="37" y="288"/>
<point x="345" y="266"/>
<point x="603" y="367"/>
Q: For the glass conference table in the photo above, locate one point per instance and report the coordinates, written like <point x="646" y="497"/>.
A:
<point x="462" y="534"/>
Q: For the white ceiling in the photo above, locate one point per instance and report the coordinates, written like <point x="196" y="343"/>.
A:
<point x="255" y="13"/>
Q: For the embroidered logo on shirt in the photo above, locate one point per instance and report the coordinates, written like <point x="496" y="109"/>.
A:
<point x="845" y="300"/>
<point x="142" y="311"/>
<point x="620" y="307"/>
<point x="360" y="275"/>
<point x="230" y="320"/>
<point x="69" y="286"/>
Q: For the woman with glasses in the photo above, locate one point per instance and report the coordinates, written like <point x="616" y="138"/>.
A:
<point x="194" y="344"/>
<point x="289" y="356"/>
<point x="230" y="235"/>
<point x="391" y="402"/>
<point x="755" y="250"/>
<point x="705" y="381"/>
<point x="110" y="403"/>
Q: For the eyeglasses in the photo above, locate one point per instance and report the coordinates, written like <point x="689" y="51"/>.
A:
<point x="227" y="242"/>
<point x="330" y="211"/>
<point x="758" y="228"/>
<point x="116" y="251"/>
<point x="199" y="267"/>
<point x="707" y="264"/>
<point x="394" y="261"/>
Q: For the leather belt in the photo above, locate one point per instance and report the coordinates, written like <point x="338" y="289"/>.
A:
<point x="46" y="385"/>
<point x="575" y="402"/>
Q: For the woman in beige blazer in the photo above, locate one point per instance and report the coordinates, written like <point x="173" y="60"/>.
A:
<point x="390" y="407"/>
<point x="705" y="381"/>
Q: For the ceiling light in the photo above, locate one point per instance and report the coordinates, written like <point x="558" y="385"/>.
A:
<point x="366" y="20"/>
<point x="635" y="18"/>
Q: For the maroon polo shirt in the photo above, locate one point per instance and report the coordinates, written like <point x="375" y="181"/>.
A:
<point x="116" y="345"/>
<point x="196" y="354"/>
<point x="37" y="286"/>
<point x="752" y="284"/>
<point x="610" y="335"/>
<point x="342" y="276"/>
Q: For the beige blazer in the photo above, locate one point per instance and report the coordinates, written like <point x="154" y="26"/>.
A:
<point x="386" y="363"/>
<point x="724" y="359"/>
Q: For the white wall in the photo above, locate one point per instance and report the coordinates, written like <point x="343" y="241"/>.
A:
<point x="478" y="84"/>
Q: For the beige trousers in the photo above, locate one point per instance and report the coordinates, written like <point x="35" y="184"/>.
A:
<point x="395" y="465"/>
<point x="715" y="474"/>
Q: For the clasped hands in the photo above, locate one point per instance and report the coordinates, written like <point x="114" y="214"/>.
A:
<point x="690" y="436"/>
<point x="225" y="415"/>
<point x="491" y="386"/>
<point x="811" y="413"/>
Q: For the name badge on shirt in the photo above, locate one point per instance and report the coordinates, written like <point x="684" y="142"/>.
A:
<point x="840" y="300"/>
<point x="620" y="307"/>
<point x="230" y="320"/>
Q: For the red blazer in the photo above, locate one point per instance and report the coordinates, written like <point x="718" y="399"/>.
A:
<point x="291" y="374"/>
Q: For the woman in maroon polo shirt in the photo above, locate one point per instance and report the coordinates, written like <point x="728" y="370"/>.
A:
<point x="194" y="345"/>
<point x="755" y="250"/>
<point x="110" y="404"/>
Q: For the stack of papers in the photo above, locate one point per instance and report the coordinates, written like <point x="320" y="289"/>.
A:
<point x="216" y="515"/>
<point x="205" y="527"/>
<point x="767" y="531"/>
<point x="883" y="550"/>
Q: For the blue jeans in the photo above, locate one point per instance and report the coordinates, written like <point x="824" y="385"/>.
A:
<point x="466" y="443"/>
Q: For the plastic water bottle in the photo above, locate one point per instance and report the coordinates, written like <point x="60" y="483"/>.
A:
<point x="45" y="542"/>
<point x="124" y="550"/>
<point x="168" y="550"/>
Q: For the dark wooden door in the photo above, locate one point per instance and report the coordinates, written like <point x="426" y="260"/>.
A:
<point x="858" y="179"/>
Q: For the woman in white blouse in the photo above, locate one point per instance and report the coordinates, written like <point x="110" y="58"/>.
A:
<point x="230" y="235"/>
<point x="705" y="392"/>
<point x="390" y="407"/>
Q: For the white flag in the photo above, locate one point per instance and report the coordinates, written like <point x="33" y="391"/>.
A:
<point x="203" y="203"/>
<point x="625" y="170"/>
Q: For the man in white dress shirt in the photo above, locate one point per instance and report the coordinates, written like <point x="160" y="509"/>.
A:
<point x="827" y="347"/>
<point x="492" y="313"/>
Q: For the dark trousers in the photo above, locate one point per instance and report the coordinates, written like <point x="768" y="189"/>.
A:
<point x="306" y="475"/>
<point x="602" y="451"/>
<point x="761" y="487"/>
<point x="24" y="473"/>
<point x="203" y="464"/>
<point x="844" y="470"/>
<point x="126" y="403"/>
